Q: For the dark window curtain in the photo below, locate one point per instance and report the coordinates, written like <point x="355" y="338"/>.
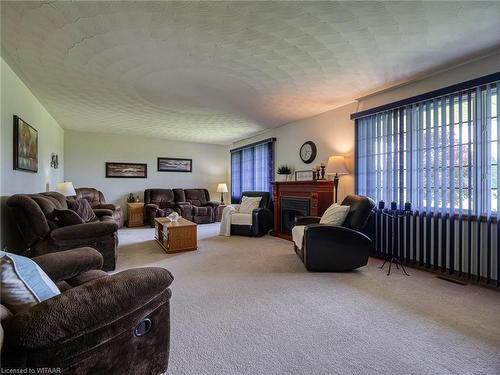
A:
<point x="252" y="169"/>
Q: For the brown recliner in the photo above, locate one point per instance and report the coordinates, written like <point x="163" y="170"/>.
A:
<point x="99" y="324"/>
<point x="195" y="205"/>
<point x="96" y="200"/>
<point x="42" y="233"/>
<point x="159" y="203"/>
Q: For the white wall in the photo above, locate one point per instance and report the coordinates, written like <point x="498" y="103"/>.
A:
<point x="86" y="153"/>
<point x="465" y="72"/>
<point x="333" y="134"/>
<point x="17" y="99"/>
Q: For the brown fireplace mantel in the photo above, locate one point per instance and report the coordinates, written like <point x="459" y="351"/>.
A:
<point x="319" y="193"/>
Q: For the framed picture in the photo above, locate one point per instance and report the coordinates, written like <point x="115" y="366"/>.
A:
<point x="25" y="146"/>
<point x="304" y="175"/>
<point x="126" y="170"/>
<point x="175" y="165"/>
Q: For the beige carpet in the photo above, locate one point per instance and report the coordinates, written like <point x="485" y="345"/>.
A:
<point x="247" y="306"/>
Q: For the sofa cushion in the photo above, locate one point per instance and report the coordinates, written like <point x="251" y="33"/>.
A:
<point x="23" y="283"/>
<point x="68" y="217"/>
<point x="241" y="219"/>
<point x="334" y="215"/>
<point x="83" y="209"/>
<point x="248" y="204"/>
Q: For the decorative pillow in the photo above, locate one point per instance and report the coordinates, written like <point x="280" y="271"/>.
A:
<point x="68" y="217"/>
<point x="83" y="208"/>
<point x="24" y="284"/>
<point x="248" y="204"/>
<point x="335" y="215"/>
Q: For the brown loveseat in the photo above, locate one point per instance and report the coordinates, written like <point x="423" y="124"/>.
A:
<point x="195" y="205"/>
<point x="96" y="200"/>
<point x="99" y="324"/>
<point x="42" y="233"/>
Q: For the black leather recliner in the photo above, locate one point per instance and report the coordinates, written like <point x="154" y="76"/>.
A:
<point x="327" y="248"/>
<point x="262" y="217"/>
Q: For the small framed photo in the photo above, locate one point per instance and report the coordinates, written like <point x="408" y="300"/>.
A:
<point x="126" y="170"/>
<point x="175" y="165"/>
<point x="25" y="146"/>
<point x="306" y="175"/>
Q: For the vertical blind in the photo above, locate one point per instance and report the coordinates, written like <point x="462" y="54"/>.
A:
<point x="440" y="154"/>
<point x="252" y="168"/>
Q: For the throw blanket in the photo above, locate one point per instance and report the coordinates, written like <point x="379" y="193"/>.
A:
<point x="225" y="223"/>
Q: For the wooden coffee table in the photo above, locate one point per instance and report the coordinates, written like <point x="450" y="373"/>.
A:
<point x="175" y="236"/>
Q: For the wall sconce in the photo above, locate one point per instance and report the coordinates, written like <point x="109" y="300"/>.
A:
<point x="54" y="161"/>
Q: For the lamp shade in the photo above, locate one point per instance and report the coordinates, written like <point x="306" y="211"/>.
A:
<point x="336" y="165"/>
<point x="222" y="188"/>
<point x="66" y="188"/>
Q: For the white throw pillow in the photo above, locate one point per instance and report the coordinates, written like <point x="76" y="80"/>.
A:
<point x="248" y="204"/>
<point x="24" y="284"/>
<point x="335" y="215"/>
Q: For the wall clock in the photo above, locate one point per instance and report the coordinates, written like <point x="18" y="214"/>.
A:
<point x="308" y="152"/>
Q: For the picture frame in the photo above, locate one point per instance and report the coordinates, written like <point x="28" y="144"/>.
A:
<point x="175" y="165"/>
<point x="25" y="146"/>
<point x="126" y="170"/>
<point x="305" y="175"/>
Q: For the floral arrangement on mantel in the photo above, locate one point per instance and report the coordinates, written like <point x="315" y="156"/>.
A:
<point x="284" y="170"/>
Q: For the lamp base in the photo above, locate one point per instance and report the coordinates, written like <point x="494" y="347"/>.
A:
<point x="335" y="187"/>
<point x="222" y="198"/>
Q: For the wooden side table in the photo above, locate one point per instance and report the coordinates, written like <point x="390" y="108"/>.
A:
<point x="135" y="214"/>
<point x="219" y="212"/>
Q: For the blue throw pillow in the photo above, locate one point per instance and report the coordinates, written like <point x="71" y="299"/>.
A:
<point x="24" y="283"/>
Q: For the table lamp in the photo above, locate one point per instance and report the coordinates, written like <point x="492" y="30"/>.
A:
<point x="336" y="166"/>
<point x="222" y="188"/>
<point x="66" y="189"/>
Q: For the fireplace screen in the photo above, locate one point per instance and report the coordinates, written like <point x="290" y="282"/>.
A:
<point x="290" y="209"/>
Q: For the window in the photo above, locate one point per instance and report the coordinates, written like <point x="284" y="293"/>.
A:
<point x="440" y="154"/>
<point x="252" y="168"/>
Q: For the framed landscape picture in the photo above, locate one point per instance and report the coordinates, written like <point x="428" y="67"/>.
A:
<point x="175" y="165"/>
<point x="126" y="170"/>
<point x="303" y="175"/>
<point x="25" y="146"/>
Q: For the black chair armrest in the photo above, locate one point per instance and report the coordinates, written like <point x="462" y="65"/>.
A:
<point x="103" y="212"/>
<point x="84" y="231"/>
<point x="334" y="248"/>
<point x="304" y="220"/>
<point x="64" y="265"/>
<point x="100" y="309"/>
<point x="186" y="210"/>
<point x="262" y="221"/>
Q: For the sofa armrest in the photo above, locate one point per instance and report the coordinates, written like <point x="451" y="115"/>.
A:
<point x="108" y="206"/>
<point x="64" y="265"/>
<point x="99" y="309"/>
<point x="334" y="248"/>
<point x="84" y="231"/>
<point x="212" y="204"/>
<point x="151" y="207"/>
<point x="186" y="210"/>
<point x="304" y="220"/>
<point x="102" y="212"/>
<point x="262" y="221"/>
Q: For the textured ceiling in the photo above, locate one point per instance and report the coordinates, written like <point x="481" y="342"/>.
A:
<point x="217" y="72"/>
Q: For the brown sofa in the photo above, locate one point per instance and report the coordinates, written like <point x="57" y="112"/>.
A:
<point x="195" y="205"/>
<point x="159" y="203"/>
<point x="42" y="233"/>
<point x="96" y="200"/>
<point x="99" y="324"/>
